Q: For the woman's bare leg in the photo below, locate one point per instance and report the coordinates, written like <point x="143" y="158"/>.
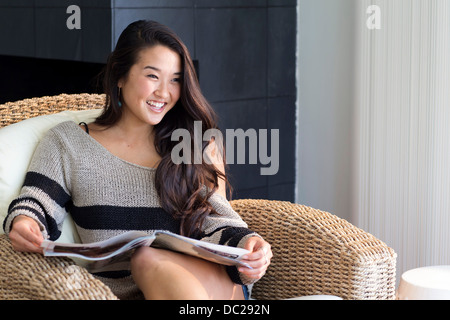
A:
<point x="163" y="274"/>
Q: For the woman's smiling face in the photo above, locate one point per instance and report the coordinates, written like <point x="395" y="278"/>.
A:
<point x="153" y="85"/>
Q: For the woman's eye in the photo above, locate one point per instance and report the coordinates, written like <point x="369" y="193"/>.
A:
<point x="176" y="80"/>
<point x="152" y="76"/>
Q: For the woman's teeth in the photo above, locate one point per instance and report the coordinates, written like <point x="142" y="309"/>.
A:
<point x="156" y="105"/>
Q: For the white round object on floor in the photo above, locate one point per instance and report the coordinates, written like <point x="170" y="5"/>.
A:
<point x="427" y="283"/>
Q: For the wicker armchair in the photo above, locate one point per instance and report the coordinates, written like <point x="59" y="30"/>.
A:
<point x="315" y="252"/>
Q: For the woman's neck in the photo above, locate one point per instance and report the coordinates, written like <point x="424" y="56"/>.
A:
<point x="131" y="130"/>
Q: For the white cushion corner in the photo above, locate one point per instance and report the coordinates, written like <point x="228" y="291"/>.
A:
<point x="17" y="145"/>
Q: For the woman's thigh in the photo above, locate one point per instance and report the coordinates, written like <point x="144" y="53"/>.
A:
<point x="164" y="274"/>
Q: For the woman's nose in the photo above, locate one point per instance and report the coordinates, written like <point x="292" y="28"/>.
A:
<point x="162" y="91"/>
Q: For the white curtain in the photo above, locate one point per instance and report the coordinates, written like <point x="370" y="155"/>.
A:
<point x="402" y="126"/>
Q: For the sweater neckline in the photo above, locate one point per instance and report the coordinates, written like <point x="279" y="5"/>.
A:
<point x="106" y="151"/>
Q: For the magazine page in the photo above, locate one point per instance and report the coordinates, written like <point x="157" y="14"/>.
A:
<point x="98" y="250"/>
<point x="213" y="252"/>
<point x="115" y="253"/>
<point x="118" y="262"/>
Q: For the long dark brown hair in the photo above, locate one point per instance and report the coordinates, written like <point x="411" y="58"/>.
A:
<point x="181" y="187"/>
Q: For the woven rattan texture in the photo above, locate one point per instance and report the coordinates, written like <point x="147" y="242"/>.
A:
<point x="12" y="112"/>
<point x="316" y="252"/>
<point x="31" y="276"/>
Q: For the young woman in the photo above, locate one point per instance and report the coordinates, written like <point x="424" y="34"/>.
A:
<point x="117" y="174"/>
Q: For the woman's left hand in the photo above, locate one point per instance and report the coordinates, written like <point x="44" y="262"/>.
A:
<point x="258" y="258"/>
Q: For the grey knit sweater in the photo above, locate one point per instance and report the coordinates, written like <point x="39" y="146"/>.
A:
<point x="72" y="173"/>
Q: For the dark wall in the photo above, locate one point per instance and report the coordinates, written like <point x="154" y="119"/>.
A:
<point x="24" y="77"/>
<point x="245" y="52"/>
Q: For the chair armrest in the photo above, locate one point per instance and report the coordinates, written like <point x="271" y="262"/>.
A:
<point x="33" y="276"/>
<point x="316" y="252"/>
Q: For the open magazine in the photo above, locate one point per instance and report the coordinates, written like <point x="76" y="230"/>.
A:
<point x="115" y="253"/>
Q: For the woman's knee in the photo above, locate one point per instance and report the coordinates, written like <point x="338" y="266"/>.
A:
<point x="145" y="258"/>
<point x="156" y="268"/>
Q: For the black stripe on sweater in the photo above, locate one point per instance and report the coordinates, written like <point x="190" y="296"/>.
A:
<point x="46" y="220"/>
<point x="114" y="274"/>
<point x="233" y="235"/>
<point x="124" y="218"/>
<point x="48" y="186"/>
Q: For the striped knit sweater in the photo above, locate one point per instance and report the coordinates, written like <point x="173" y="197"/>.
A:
<point x="72" y="173"/>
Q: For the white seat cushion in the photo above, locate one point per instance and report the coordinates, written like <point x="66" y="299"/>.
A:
<point x="17" y="144"/>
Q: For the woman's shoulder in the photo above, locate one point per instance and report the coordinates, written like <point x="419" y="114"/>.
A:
<point x="64" y="126"/>
<point x="66" y="129"/>
<point x="66" y="132"/>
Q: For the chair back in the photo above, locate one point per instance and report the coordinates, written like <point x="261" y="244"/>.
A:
<point x="12" y="112"/>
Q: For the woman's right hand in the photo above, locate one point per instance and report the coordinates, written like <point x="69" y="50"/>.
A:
<point x="26" y="235"/>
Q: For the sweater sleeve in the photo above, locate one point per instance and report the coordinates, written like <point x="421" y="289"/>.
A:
<point x="227" y="228"/>
<point x="44" y="195"/>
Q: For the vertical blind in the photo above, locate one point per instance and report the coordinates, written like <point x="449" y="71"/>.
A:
<point x="402" y="125"/>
